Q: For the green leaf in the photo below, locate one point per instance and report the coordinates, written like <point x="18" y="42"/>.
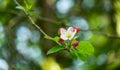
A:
<point x="84" y="49"/>
<point x="28" y="5"/>
<point x="20" y="8"/>
<point x="48" y="37"/>
<point x="56" y="38"/>
<point x="74" y="54"/>
<point x="31" y="13"/>
<point x="55" y="49"/>
<point x="82" y="56"/>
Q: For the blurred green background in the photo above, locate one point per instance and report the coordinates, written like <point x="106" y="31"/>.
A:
<point x="23" y="47"/>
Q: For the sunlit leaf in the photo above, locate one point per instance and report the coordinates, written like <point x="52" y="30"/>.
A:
<point x="84" y="49"/>
<point x="55" y="49"/>
<point x="28" y="4"/>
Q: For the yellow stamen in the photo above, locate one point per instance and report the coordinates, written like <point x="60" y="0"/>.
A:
<point x="68" y="35"/>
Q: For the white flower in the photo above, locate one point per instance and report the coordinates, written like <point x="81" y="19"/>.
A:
<point x="67" y="34"/>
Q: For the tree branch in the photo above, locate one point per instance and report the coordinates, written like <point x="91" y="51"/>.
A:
<point x="110" y="35"/>
<point x="103" y="33"/>
<point x="30" y="18"/>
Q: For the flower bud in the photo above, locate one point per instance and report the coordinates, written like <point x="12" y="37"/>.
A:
<point x="60" y="40"/>
<point x="75" y="44"/>
<point x="77" y="28"/>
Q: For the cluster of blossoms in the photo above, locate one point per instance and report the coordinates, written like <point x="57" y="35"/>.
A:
<point x="69" y="35"/>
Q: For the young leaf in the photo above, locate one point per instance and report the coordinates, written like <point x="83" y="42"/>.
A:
<point x="28" y="5"/>
<point x="85" y="48"/>
<point x="56" y="38"/>
<point x="47" y="37"/>
<point x="20" y="7"/>
<point x="55" y="49"/>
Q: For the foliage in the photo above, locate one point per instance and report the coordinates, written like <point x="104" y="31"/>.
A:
<point x="55" y="49"/>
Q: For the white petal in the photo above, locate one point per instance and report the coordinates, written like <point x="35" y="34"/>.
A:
<point x="70" y="29"/>
<point x="64" y="37"/>
<point x="72" y="35"/>
<point x="72" y="32"/>
<point x="62" y="31"/>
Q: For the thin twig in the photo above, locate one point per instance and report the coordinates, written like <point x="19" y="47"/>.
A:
<point x="103" y="33"/>
<point x="30" y="18"/>
<point x="110" y="35"/>
<point x="48" y="20"/>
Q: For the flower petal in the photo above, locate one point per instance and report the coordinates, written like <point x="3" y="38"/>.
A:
<point x="62" y="31"/>
<point x="72" y="32"/>
<point x="72" y="35"/>
<point x="64" y="37"/>
<point x="70" y="29"/>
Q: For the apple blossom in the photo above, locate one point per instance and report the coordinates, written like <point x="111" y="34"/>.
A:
<point x="67" y="34"/>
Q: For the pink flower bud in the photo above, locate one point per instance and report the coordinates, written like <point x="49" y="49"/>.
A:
<point x="77" y="28"/>
<point x="60" y="40"/>
<point x="75" y="44"/>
